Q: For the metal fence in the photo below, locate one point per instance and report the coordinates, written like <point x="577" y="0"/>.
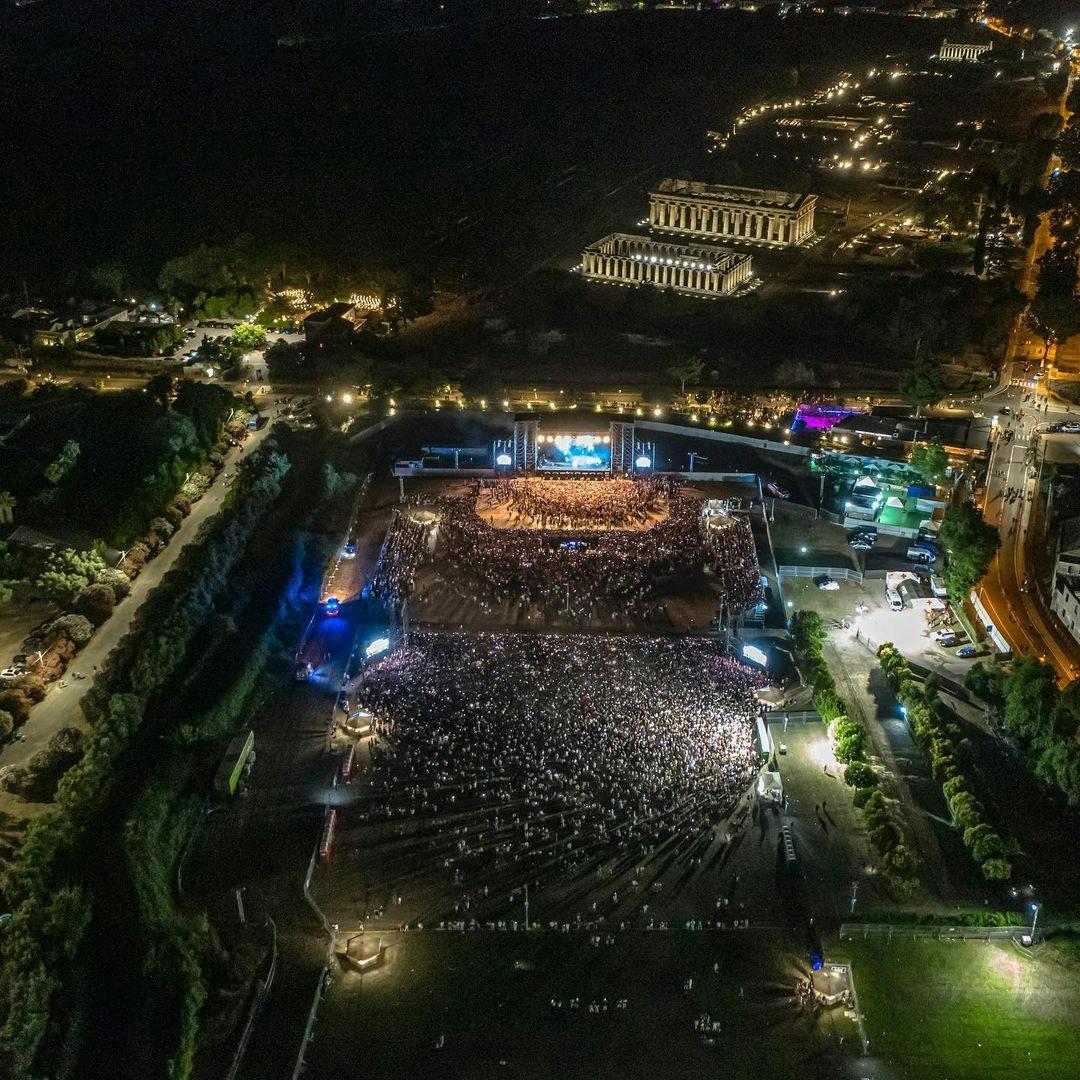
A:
<point x="841" y="573"/>
<point x="852" y="931"/>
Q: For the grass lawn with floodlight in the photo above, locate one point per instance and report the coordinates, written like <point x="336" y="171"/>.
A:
<point x="545" y="1005"/>
<point x="967" y="1010"/>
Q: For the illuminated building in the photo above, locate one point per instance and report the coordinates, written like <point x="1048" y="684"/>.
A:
<point x="724" y="211"/>
<point x="699" y="270"/>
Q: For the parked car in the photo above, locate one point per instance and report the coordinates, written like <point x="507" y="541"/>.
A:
<point x="858" y="543"/>
<point x="946" y="638"/>
<point x="916" y="554"/>
<point x="826" y="583"/>
<point x="12" y="673"/>
<point x="894" y="599"/>
<point x="965" y="652"/>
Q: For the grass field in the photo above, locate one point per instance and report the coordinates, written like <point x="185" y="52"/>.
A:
<point x="489" y="996"/>
<point x="967" y="1010"/>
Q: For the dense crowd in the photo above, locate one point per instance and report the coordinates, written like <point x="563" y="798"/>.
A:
<point x="553" y="750"/>
<point x="554" y="562"/>
<point x="600" y="503"/>
<point x="403" y="549"/>
<point x="582" y="575"/>
<point x="732" y="553"/>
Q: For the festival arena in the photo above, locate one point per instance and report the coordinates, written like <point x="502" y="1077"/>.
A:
<point x="572" y="748"/>
<point x="554" y="817"/>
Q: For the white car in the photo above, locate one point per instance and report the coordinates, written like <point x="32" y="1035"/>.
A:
<point x="826" y="583"/>
<point x="12" y="673"/>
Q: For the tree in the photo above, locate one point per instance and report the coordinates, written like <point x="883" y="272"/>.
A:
<point x="63" y="463"/>
<point x="929" y="460"/>
<point x="7" y="507"/>
<point x="248" y="336"/>
<point x="7" y="726"/>
<point x="65" y="572"/>
<point x="686" y="370"/>
<point x="1054" y="317"/>
<point x="859" y="775"/>
<point x="971" y="544"/>
<point x="16" y="704"/>
<point x="76" y="628"/>
<point x="116" y="580"/>
<point x="996" y="870"/>
<point x="107" y="279"/>
<point x="922" y="385"/>
<point x="160" y="388"/>
<point x="96" y="602"/>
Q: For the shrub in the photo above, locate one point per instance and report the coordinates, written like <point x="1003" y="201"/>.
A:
<point x="830" y="705"/>
<point x="96" y="602"/>
<point x="861" y="797"/>
<point x="76" y="628"/>
<point x="966" y="809"/>
<point x="160" y="526"/>
<point x="173" y="516"/>
<point x="860" y="775"/>
<point x="996" y="870"/>
<point x="17" y="704"/>
<point x="117" y="580"/>
<point x="33" y="686"/>
<point x="182" y="505"/>
<point x="7" y="725"/>
<point x="954" y="785"/>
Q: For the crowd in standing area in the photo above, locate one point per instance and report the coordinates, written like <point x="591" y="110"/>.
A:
<point x="732" y="552"/>
<point x="601" y="503"/>
<point x="544" y="755"/>
<point x="553" y="562"/>
<point x="403" y="549"/>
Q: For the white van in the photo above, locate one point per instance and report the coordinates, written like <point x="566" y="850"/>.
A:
<point x="894" y="599"/>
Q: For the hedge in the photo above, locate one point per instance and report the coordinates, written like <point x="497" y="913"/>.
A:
<point x="937" y="735"/>
<point x="850" y="738"/>
<point x="50" y="912"/>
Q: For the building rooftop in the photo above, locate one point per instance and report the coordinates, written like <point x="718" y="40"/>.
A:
<point x="1069" y="544"/>
<point x="339" y="310"/>
<point x="733" y="193"/>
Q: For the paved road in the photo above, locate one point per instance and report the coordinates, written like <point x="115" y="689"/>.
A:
<point x="61" y="707"/>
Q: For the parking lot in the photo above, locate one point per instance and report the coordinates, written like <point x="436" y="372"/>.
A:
<point x="864" y="607"/>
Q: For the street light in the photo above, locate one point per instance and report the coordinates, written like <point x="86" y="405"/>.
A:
<point x="347" y="398"/>
<point x="1034" y="920"/>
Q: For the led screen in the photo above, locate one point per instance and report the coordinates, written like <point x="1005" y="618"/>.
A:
<point x="573" y="453"/>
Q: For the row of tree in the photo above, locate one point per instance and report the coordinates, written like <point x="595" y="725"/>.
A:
<point x="46" y="888"/>
<point x="941" y="739"/>
<point x="1054" y="313"/>
<point x="850" y="740"/>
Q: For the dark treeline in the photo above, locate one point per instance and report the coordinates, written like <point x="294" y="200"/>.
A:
<point x="99" y="967"/>
<point x="203" y="127"/>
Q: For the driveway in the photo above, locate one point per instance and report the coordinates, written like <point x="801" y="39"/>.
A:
<point x="61" y="707"/>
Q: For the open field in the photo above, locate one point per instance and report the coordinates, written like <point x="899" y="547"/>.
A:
<point x="489" y="998"/>
<point x="967" y="1010"/>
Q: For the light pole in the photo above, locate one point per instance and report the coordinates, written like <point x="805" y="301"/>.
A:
<point x="1034" y="920"/>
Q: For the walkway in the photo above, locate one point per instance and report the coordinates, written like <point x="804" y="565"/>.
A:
<point x="861" y="681"/>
